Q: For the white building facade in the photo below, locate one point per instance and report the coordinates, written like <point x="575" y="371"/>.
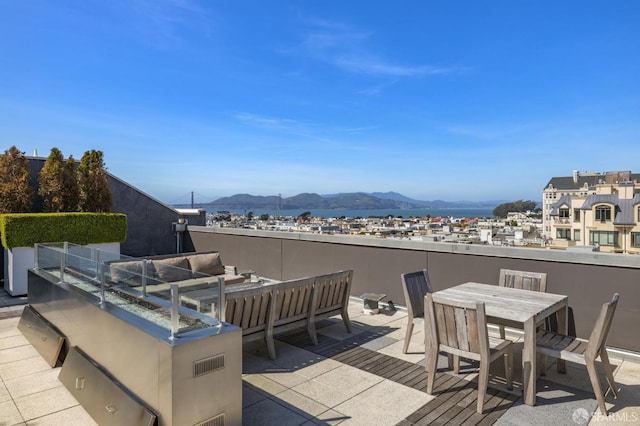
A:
<point x="593" y="209"/>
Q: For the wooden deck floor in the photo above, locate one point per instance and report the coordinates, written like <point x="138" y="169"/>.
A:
<point x="456" y="399"/>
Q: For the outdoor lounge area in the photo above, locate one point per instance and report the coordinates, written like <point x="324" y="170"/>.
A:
<point x="362" y="377"/>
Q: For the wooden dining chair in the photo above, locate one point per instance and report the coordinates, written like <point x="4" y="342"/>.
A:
<point x="460" y="328"/>
<point x="415" y="286"/>
<point x="524" y="280"/>
<point x="584" y="352"/>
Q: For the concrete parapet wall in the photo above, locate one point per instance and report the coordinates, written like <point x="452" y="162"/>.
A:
<point x="589" y="279"/>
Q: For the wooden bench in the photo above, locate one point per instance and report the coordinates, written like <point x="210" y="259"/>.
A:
<point x="265" y="310"/>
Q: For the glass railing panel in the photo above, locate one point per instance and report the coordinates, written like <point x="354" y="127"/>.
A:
<point x="163" y="294"/>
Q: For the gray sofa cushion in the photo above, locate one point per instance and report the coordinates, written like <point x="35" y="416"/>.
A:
<point x="206" y="263"/>
<point x="172" y="269"/>
<point x="127" y="270"/>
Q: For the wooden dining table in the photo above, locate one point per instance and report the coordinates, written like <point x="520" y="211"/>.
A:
<point x="529" y="308"/>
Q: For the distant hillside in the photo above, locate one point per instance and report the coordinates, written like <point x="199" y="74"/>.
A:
<point x="436" y="204"/>
<point x="357" y="200"/>
<point x="354" y="200"/>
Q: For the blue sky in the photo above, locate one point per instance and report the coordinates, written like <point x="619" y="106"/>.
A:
<point x="452" y="100"/>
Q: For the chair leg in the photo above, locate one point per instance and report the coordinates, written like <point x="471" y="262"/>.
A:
<point x="542" y="362"/>
<point x="407" y="336"/>
<point x="608" y="371"/>
<point x="483" y="379"/>
<point x="508" y="367"/>
<point x="345" y="318"/>
<point x="431" y="366"/>
<point x="271" y="347"/>
<point x="311" y="329"/>
<point x="453" y="361"/>
<point x="595" y="383"/>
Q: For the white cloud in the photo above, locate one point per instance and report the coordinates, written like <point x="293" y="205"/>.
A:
<point x="163" y="24"/>
<point x="346" y="48"/>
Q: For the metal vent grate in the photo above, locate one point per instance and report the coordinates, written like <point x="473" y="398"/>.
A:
<point x="213" y="421"/>
<point x="208" y="365"/>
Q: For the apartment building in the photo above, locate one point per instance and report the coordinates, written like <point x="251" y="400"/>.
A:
<point x="593" y="209"/>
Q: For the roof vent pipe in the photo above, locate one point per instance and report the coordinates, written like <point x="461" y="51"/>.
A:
<point x="575" y="176"/>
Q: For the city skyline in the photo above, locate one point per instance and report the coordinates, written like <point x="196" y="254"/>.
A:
<point x="450" y="101"/>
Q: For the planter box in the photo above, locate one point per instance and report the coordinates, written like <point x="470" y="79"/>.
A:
<point x="18" y="260"/>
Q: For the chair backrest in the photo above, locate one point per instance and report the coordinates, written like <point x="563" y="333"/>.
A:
<point x="598" y="337"/>
<point x="524" y="280"/>
<point x="293" y="299"/>
<point x="415" y="286"/>
<point x="461" y="326"/>
<point x="331" y="291"/>
<point x="250" y="310"/>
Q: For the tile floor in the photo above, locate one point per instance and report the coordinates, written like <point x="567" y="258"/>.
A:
<point x="303" y="388"/>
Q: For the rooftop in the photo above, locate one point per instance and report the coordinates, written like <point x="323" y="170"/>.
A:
<point x="348" y="378"/>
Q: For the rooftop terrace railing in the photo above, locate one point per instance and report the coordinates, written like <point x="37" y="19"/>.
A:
<point x="588" y="278"/>
<point x="130" y="284"/>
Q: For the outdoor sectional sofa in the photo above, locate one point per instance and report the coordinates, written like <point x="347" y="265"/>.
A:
<point x="265" y="310"/>
<point x="189" y="270"/>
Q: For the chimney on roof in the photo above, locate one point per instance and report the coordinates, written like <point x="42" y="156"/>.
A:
<point x="575" y="176"/>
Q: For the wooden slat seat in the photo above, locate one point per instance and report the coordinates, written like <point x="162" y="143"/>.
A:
<point x="460" y="328"/>
<point x="415" y="286"/>
<point x="584" y="352"/>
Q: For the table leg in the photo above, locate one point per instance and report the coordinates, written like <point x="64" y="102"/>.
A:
<point x="529" y="362"/>
<point x="563" y="328"/>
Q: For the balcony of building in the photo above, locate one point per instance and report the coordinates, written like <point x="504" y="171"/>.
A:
<point x="562" y="221"/>
<point x="363" y="377"/>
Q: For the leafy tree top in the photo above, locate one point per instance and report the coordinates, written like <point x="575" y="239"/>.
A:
<point x="16" y="194"/>
<point x="95" y="195"/>
<point x="517" y="206"/>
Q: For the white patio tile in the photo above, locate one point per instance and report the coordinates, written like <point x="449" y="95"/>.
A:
<point x="42" y="403"/>
<point x="17" y="353"/>
<point x="33" y="383"/>
<point x="13" y="341"/>
<point x="74" y="416"/>
<point x="23" y="367"/>
<point x="9" y="414"/>
<point x="386" y="403"/>
<point x="351" y="381"/>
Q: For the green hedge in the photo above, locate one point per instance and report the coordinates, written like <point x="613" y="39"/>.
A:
<point x="27" y="229"/>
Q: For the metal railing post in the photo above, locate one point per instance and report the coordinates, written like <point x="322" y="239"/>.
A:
<point x="222" y="302"/>
<point x="102" y="283"/>
<point x="63" y="259"/>
<point x="36" y="249"/>
<point x="144" y="276"/>
<point x="95" y="256"/>
<point x="175" y="315"/>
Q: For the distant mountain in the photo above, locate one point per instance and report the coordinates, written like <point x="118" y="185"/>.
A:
<point x="305" y="201"/>
<point x="246" y="201"/>
<point x="354" y="200"/>
<point x="437" y="204"/>
<point x="400" y="198"/>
